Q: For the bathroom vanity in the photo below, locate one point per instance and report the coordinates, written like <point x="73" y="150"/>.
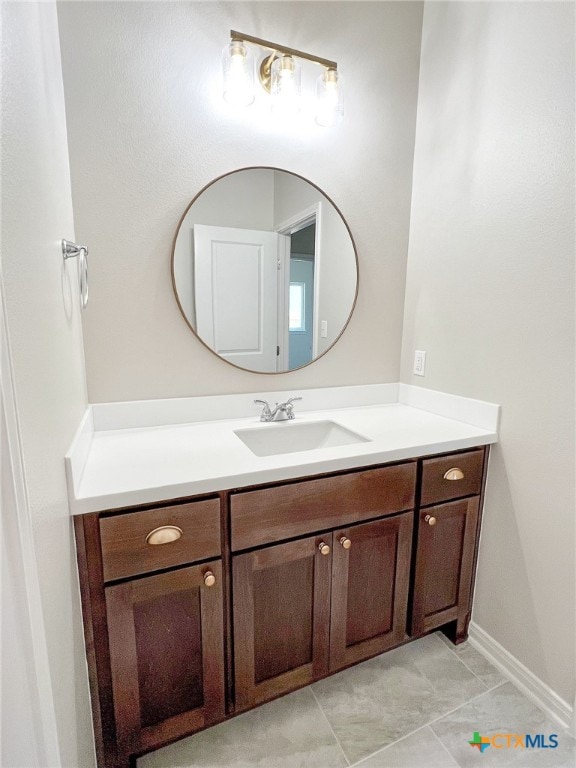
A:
<point x="200" y="606"/>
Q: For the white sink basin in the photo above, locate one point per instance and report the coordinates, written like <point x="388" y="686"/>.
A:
<point x="288" y="437"/>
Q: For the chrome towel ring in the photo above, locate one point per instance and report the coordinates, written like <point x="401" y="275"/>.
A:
<point x="70" y="250"/>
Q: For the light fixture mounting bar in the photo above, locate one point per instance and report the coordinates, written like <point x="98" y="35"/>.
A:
<point x="240" y="37"/>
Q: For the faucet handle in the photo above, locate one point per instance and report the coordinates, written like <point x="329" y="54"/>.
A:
<point x="289" y="407"/>
<point x="266" y="412"/>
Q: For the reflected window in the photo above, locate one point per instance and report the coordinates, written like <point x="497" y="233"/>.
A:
<point x="296" y="307"/>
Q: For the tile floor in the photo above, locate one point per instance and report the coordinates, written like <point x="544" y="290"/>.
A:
<point x="414" y="707"/>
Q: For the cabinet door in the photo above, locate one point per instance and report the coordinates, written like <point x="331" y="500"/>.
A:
<point x="281" y="618"/>
<point x="370" y="579"/>
<point x="167" y="656"/>
<point x="444" y="564"/>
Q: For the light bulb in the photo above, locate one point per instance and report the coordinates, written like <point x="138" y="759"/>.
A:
<point x="329" y="98"/>
<point x="238" y="74"/>
<point x="285" y="85"/>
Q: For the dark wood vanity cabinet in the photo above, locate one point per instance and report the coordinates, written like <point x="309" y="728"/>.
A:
<point x="154" y="624"/>
<point x="165" y="631"/>
<point x="281" y="618"/>
<point x="447" y="541"/>
<point x="308" y="607"/>
<point x="166" y="643"/>
<point x="370" y="580"/>
<point x="444" y="562"/>
<point x="201" y="609"/>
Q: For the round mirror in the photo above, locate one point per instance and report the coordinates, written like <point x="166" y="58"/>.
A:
<point x="265" y="269"/>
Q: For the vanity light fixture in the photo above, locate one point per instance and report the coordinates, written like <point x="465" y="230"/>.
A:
<point x="329" y="102"/>
<point x="285" y="85"/>
<point x="280" y="75"/>
<point x="238" y="71"/>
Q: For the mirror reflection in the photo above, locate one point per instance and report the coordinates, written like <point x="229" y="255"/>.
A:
<point x="265" y="270"/>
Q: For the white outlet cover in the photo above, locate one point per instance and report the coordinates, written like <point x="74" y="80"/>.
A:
<point x="419" y="362"/>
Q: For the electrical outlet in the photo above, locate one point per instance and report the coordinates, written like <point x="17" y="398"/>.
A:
<point x="419" y="362"/>
<point x="324" y="329"/>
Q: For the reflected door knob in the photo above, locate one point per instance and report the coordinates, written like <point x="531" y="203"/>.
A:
<point x="209" y="579"/>
<point x="430" y="520"/>
<point x="324" y="548"/>
<point x="346" y="543"/>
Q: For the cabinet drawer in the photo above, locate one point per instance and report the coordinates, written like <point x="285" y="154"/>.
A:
<point x="437" y="485"/>
<point x="286" y="511"/>
<point x="126" y="551"/>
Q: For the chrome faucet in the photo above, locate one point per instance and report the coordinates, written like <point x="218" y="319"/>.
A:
<point x="281" y="412"/>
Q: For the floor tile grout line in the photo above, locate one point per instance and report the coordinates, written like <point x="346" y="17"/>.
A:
<point x="503" y="682"/>
<point x="387" y="746"/>
<point x="465" y="704"/>
<point x="463" y="662"/>
<point x="444" y="747"/>
<point x="449" y="645"/>
<point x="512" y="682"/>
<point x="329" y="725"/>
<point x="426" y="725"/>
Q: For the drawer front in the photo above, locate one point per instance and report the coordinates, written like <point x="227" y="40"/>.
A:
<point x="287" y="511"/>
<point x="436" y="473"/>
<point x="127" y="552"/>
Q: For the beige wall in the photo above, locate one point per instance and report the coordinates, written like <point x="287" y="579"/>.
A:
<point x="44" y="331"/>
<point x="490" y="295"/>
<point x="148" y="129"/>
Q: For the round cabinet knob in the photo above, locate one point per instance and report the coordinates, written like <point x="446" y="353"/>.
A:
<point x="454" y="474"/>
<point x="430" y="520"/>
<point x="324" y="548"/>
<point x="209" y="579"/>
<point x="346" y="543"/>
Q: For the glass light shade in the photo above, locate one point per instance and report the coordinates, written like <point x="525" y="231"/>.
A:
<point x="329" y="98"/>
<point x="285" y="85"/>
<point x="238" y="74"/>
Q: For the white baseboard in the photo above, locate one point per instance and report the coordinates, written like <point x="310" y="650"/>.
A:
<point x="530" y="685"/>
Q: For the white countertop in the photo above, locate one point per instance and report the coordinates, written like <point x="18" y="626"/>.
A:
<point x="130" y="465"/>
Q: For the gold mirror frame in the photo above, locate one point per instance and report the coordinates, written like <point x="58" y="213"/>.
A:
<point x="174" y="287"/>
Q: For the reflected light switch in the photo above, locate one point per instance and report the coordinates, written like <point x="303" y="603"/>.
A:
<point x="324" y="328"/>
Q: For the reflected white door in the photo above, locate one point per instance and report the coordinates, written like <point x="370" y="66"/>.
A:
<point x="236" y="294"/>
